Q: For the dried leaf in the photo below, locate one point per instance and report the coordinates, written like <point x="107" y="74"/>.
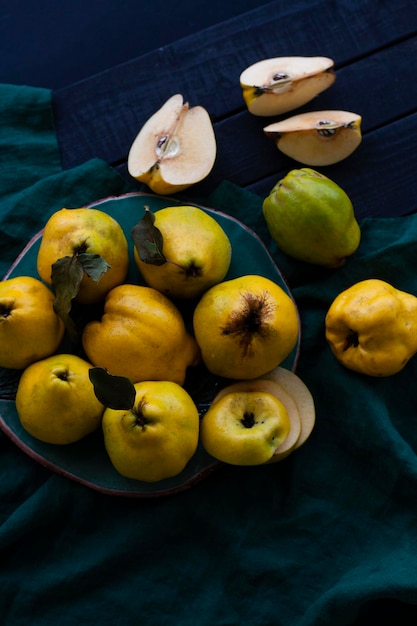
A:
<point x="148" y="240"/>
<point x="67" y="274"/>
<point x="115" y="392"/>
<point x="93" y="265"/>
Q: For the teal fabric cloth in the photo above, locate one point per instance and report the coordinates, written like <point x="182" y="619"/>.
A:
<point x="327" y="537"/>
<point x="32" y="183"/>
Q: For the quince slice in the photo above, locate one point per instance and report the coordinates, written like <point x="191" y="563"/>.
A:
<point x="295" y="387"/>
<point x="277" y="85"/>
<point x="317" y="137"/>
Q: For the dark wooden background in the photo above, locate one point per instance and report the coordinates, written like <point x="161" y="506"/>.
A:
<point x="373" y="44"/>
<point x="114" y="65"/>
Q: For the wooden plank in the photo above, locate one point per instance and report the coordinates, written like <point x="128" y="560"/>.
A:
<point x="100" y="116"/>
<point x="56" y="46"/>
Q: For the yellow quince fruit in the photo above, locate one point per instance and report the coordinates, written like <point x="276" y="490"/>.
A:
<point x="141" y="336"/>
<point x="30" y="329"/>
<point x="157" y="436"/>
<point x="245" y="326"/>
<point x="55" y="400"/>
<point x="245" y="424"/>
<point x="192" y="252"/>
<point x="86" y="245"/>
<point x="262" y="420"/>
<point x="371" y="327"/>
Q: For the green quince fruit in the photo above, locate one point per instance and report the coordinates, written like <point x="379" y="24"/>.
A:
<point x="312" y="219"/>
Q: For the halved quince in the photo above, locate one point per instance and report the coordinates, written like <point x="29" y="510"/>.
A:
<point x="175" y="148"/>
<point x="317" y="137"/>
<point x="281" y="84"/>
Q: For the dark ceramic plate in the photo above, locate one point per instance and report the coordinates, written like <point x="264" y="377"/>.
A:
<point x="86" y="461"/>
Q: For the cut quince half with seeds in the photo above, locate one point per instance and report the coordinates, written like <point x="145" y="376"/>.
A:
<point x="317" y="137"/>
<point x="277" y="85"/>
<point x="175" y="148"/>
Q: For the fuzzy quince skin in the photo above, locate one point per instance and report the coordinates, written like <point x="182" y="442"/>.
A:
<point x="371" y="328"/>
<point x="55" y="400"/>
<point x="312" y="219"/>
<point x="74" y="232"/>
<point x="141" y="336"/>
<point x="30" y="329"/>
<point x="245" y="327"/>
<point x="244" y="427"/>
<point x="196" y="253"/>
<point x="156" y="438"/>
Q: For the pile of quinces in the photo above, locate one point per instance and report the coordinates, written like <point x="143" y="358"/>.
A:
<point x="127" y="367"/>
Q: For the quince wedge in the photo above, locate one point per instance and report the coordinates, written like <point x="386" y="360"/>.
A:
<point x="317" y="138"/>
<point x="289" y="386"/>
<point x="280" y="84"/>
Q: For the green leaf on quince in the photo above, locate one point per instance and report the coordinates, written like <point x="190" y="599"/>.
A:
<point x="67" y="274"/>
<point x="115" y="392"/>
<point x="93" y="265"/>
<point x="148" y="240"/>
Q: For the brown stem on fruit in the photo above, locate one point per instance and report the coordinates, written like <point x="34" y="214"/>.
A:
<point x="248" y="420"/>
<point x="81" y="249"/>
<point x="250" y="320"/>
<point x="140" y="419"/>
<point x="352" y="340"/>
<point x="191" y="271"/>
